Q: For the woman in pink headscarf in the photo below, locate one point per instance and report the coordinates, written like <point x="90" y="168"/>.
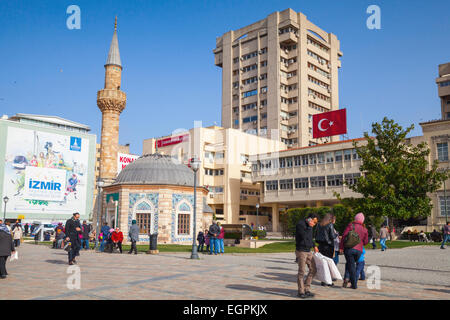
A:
<point x="352" y="249"/>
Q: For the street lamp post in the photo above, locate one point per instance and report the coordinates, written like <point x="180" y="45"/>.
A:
<point x="445" y="204"/>
<point x="257" y="225"/>
<point x="100" y="184"/>
<point x="5" y="200"/>
<point x="194" y="165"/>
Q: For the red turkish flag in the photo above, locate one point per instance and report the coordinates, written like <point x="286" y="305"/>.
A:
<point x="329" y="124"/>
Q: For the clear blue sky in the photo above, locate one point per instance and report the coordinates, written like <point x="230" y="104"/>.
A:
<point x="169" y="73"/>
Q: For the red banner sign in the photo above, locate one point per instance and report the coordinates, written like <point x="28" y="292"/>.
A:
<point x="329" y="124"/>
<point x="172" y="140"/>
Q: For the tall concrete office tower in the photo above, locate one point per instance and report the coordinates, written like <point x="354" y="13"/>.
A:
<point x="443" y="83"/>
<point x="111" y="102"/>
<point x="276" y="74"/>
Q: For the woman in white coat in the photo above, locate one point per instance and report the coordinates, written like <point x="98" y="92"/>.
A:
<point x="17" y="235"/>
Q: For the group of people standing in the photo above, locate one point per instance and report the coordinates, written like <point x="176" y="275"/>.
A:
<point x="330" y="244"/>
<point x="212" y="238"/>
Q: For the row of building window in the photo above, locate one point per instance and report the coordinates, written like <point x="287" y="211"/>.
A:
<point x="288" y="100"/>
<point x="308" y="159"/>
<point x="310" y="40"/>
<point x="250" y="55"/>
<point x="246" y="107"/>
<point x="211" y="156"/>
<point x="313" y="182"/>
<point x="249" y="192"/>
<point x="287" y="62"/>
<point x="249" y="68"/>
<point x="288" y="75"/>
<point x="250" y="80"/>
<point x="215" y="189"/>
<point x="316" y="94"/>
<point x="250" y="119"/>
<point x="318" y="58"/>
<point x="249" y="93"/>
<point x="318" y="82"/>
<point x="213" y="172"/>
<point x="318" y="70"/>
<point x="287" y="30"/>
<point x="289" y="142"/>
<point x="288" y="48"/>
<point x="250" y="106"/>
<point x="444" y="84"/>
<point x="316" y="107"/>
<point x="288" y="87"/>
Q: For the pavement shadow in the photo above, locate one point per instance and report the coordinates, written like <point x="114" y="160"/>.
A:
<point x="56" y="261"/>
<point x="439" y="290"/>
<point x="278" y="261"/>
<point x="278" y="268"/>
<point x="289" y="277"/>
<point x="275" y="291"/>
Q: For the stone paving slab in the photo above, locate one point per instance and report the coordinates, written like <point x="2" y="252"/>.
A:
<point x="41" y="273"/>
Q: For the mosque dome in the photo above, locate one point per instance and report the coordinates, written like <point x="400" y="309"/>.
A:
<point x="156" y="169"/>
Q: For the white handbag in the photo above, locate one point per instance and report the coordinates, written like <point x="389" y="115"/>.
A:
<point x="334" y="271"/>
<point x="323" y="270"/>
<point x="14" y="256"/>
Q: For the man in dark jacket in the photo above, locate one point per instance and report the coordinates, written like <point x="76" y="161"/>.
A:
<point x="85" y="231"/>
<point x="105" y="233"/>
<point x="6" y="248"/>
<point x="134" y="236"/>
<point x="214" y="231"/>
<point x="201" y="241"/>
<point x="303" y="244"/>
<point x="372" y="233"/>
<point x="73" y="231"/>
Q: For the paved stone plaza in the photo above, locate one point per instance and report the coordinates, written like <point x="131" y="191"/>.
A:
<point x="41" y="273"/>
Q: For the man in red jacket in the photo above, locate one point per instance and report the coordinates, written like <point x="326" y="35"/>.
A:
<point x="353" y="254"/>
<point x="117" y="238"/>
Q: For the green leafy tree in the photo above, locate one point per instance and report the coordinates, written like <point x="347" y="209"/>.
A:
<point x="396" y="176"/>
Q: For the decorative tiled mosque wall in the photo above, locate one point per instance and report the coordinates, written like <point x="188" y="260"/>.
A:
<point x="145" y="202"/>
<point x="163" y="205"/>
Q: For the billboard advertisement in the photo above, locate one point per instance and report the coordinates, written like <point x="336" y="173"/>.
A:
<point x="45" y="173"/>
<point x="124" y="159"/>
<point x="172" y="140"/>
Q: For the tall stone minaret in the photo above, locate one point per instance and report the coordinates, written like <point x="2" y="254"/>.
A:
<point x="111" y="102"/>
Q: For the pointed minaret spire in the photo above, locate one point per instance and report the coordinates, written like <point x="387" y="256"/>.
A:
<point x="114" y="55"/>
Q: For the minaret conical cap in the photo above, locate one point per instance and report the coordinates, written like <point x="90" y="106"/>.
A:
<point x="114" y="55"/>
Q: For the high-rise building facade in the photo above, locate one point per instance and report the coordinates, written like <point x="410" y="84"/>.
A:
<point x="276" y="74"/>
<point x="443" y="83"/>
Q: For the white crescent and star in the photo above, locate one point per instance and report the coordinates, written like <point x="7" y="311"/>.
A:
<point x="320" y="124"/>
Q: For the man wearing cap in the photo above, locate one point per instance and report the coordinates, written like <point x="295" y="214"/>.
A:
<point x="134" y="236"/>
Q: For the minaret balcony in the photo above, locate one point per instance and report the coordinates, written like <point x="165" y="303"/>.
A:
<point x="110" y="99"/>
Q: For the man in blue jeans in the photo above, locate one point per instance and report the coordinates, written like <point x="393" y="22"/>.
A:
<point x="105" y="232"/>
<point x="446" y="234"/>
<point x="85" y="230"/>
<point x="214" y="231"/>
